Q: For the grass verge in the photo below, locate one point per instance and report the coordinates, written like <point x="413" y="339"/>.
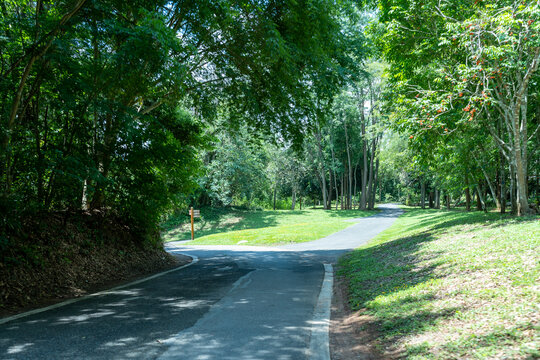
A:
<point x="231" y="226"/>
<point x="451" y="285"/>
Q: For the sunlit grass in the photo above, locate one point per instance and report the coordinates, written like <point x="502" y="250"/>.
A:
<point x="248" y="227"/>
<point x="451" y="285"/>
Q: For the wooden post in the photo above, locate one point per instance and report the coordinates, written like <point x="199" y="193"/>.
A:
<point x="192" y="230"/>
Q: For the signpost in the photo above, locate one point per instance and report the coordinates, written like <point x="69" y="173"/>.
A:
<point x="194" y="214"/>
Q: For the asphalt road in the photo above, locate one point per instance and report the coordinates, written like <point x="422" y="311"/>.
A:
<point x="236" y="302"/>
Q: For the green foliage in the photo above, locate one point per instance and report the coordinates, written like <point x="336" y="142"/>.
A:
<point x="103" y="104"/>
<point x="461" y="74"/>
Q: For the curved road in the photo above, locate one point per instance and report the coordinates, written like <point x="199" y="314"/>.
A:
<point x="236" y="302"/>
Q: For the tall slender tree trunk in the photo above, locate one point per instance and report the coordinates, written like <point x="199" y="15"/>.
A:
<point x="329" y="205"/>
<point x="349" y="188"/>
<point x="365" y="171"/>
<point x="342" y="191"/>
<point x="275" y="191"/>
<point x="519" y="131"/>
<point x="355" y="186"/>
<point x="467" y="193"/>
<point x="335" y="175"/>
<point x="502" y="189"/>
<point x="481" y="204"/>
<point x="373" y="191"/>
<point x="512" y="189"/>
<point x="321" y="166"/>
<point x="293" y="205"/>
<point x="423" y="194"/>
<point x="371" y="173"/>
<point x="337" y="190"/>
<point x="490" y="185"/>
<point x="104" y="161"/>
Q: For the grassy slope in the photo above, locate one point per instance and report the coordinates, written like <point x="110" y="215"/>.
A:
<point x="451" y="285"/>
<point x="230" y="226"/>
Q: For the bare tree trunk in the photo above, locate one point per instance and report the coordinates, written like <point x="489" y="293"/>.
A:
<point x="293" y="205"/>
<point x="355" y="186"/>
<point x="349" y="193"/>
<point x="479" y="199"/>
<point x="337" y="190"/>
<point x="519" y="129"/>
<point x="371" y="173"/>
<point x="512" y="189"/>
<point x="275" y="191"/>
<point x="321" y="165"/>
<point x="521" y="184"/>
<point x="502" y="185"/>
<point x="423" y="194"/>
<point x="342" y="191"/>
<point x="335" y="176"/>
<point x="481" y="204"/>
<point x="329" y="205"/>
<point x="373" y="192"/>
<point x="437" y="199"/>
<point x="491" y="188"/>
<point x="467" y="193"/>
<point x="363" y="198"/>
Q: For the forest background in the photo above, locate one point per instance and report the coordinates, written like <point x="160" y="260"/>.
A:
<point x="135" y="111"/>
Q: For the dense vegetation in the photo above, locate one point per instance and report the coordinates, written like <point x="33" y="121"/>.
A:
<point x="464" y="88"/>
<point x="443" y="112"/>
<point x="103" y="103"/>
<point x="140" y="109"/>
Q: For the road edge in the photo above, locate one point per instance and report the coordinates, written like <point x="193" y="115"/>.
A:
<point x="319" y="344"/>
<point x="194" y="260"/>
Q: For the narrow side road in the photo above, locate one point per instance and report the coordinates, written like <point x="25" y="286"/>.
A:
<point x="235" y="303"/>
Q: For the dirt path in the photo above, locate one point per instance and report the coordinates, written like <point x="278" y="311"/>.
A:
<point x="352" y="335"/>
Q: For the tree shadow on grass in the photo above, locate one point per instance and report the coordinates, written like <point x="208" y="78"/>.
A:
<point x="487" y="344"/>
<point x="459" y="218"/>
<point x="392" y="281"/>
<point x="351" y="214"/>
<point x="215" y="221"/>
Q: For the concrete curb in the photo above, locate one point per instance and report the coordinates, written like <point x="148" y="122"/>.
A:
<point x="104" y="292"/>
<point x="319" y="345"/>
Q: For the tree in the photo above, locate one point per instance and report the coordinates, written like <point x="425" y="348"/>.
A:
<point x="111" y="96"/>
<point x="473" y="64"/>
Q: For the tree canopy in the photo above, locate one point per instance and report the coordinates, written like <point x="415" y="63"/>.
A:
<point x="103" y="103"/>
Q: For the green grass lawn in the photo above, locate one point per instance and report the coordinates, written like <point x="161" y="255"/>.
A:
<point x="230" y="226"/>
<point x="451" y="285"/>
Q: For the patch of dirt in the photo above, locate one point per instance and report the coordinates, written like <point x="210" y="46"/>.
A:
<point x="55" y="258"/>
<point x="353" y="335"/>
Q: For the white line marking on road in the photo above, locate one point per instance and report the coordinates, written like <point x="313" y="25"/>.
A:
<point x="104" y="292"/>
<point x="319" y="344"/>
